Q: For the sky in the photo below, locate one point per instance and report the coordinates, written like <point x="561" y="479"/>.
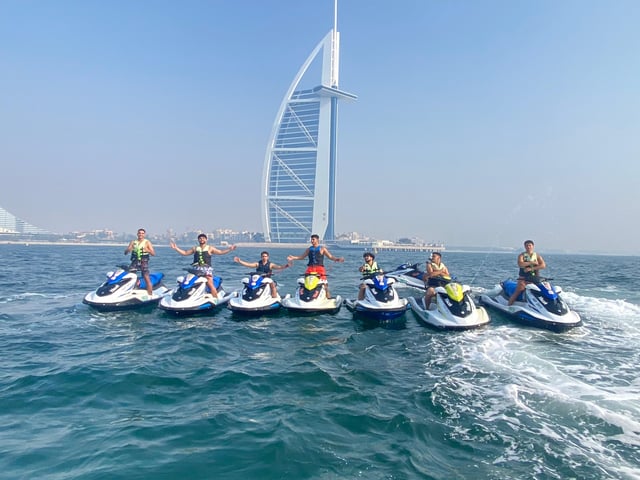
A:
<point x="477" y="123"/>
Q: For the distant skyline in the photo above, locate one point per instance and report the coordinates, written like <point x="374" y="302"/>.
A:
<point x="477" y="122"/>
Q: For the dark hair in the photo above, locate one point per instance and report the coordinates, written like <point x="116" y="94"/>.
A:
<point x="368" y="254"/>
<point x="436" y="253"/>
<point x="529" y="241"/>
<point x="142" y="230"/>
<point x="264" y="253"/>
<point x="315" y="235"/>
<point x="202" y="235"/>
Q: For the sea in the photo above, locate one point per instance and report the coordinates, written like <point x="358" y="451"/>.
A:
<point x="142" y="395"/>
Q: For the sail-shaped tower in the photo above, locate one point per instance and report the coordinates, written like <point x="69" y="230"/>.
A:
<point x="299" y="176"/>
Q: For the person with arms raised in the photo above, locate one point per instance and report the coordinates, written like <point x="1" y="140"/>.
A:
<point x="316" y="253"/>
<point x="265" y="267"/>
<point x="202" y="258"/>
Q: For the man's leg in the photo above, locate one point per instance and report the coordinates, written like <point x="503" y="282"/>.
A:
<point x="428" y="296"/>
<point x="361" y="292"/>
<point x="147" y="279"/>
<point x="213" y="290"/>
<point x="519" y="289"/>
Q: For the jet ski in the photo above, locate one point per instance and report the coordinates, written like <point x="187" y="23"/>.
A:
<point x="408" y="274"/>
<point x="311" y="296"/>
<point x="192" y="296"/>
<point x="539" y="305"/>
<point x="381" y="301"/>
<point x="256" y="296"/>
<point x="451" y="308"/>
<point x="123" y="290"/>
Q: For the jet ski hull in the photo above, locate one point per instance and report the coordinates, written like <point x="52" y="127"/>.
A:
<point x="381" y="301"/>
<point x="122" y="292"/>
<point x="192" y="297"/>
<point x="255" y="297"/>
<point x="331" y="305"/>
<point x="532" y="310"/>
<point x="408" y="274"/>
<point x="311" y="296"/>
<point x="439" y="316"/>
<point x="381" y="314"/>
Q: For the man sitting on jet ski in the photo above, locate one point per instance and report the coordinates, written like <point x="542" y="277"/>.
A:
<point x="530" y="264"/>
<point x="436" y="273"/>
<point x="368" y="268"/>
<point x="316" y="254"/>
<point x="202" y="258"/>
<point x="265" y="267"/>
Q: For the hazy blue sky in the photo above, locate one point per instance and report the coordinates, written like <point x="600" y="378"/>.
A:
<point x="477" y="122"/>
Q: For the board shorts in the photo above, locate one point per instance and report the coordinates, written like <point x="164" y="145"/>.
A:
<point x="203" y="270"/>
<point x="142" y="265"/>
<point x="528" y="278"/>
<point x="319" y="269"/>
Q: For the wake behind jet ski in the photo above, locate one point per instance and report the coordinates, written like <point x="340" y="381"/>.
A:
<point x="452" y="308"/>
<point x="192" y="295"/>
<point x="311" y="296"/>
<point x="381" y="301"/>
<point x="256" y="296"/>
<point x="123" y="290"/>
<point x="539" y="305"/>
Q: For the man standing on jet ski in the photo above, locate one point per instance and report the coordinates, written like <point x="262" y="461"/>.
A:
<point x="140" y="250"/>
<point x="202" y="258"/>
<point x="265" y="267"/>
<point x="368" y="268"/>
<point x="433" y="277"/>
<point x="530" y="264"/>
<point x="316" y="254"/>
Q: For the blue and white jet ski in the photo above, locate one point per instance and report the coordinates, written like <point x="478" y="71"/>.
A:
<point x="381" y="301"/>
<point x="408" y="274"/>
<point x="192" y="295"/>
<point x="256" y="296"/>
<point x="539" y="305"/>
<point x="311" y="296"/>
<point x="123" y="290"/>
<point x="452" y="308"/>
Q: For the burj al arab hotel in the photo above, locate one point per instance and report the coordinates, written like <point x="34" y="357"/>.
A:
<point x="299" y="177"/>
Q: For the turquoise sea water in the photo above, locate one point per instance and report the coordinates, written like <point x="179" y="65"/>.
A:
<point x="88" y="395"/>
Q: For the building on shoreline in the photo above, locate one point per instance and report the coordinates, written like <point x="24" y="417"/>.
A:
<point x="299" y="175"/>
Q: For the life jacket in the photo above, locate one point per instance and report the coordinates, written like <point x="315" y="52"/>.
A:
<point x="528" y="258"/>
<point x="436" y="267"/>
<point x="201" y="256"/>
<point x="138" y="253"/>
<point x="436" y="281"/>
<point x="315" y="257"/>
<point x="264" y="268"/>
<point x="370" y="269"/>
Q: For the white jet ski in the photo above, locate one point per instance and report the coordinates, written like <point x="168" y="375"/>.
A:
<point x="381" y="301"/>
<point x="123" y="290"/>
<point x="451" y="308"/>
<point x="192" y="296"/>
<point x="408" y="274"/>
<point x="256" y="296"/>
<point x="311" y="296"/>
<point x="540" y="305"/>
